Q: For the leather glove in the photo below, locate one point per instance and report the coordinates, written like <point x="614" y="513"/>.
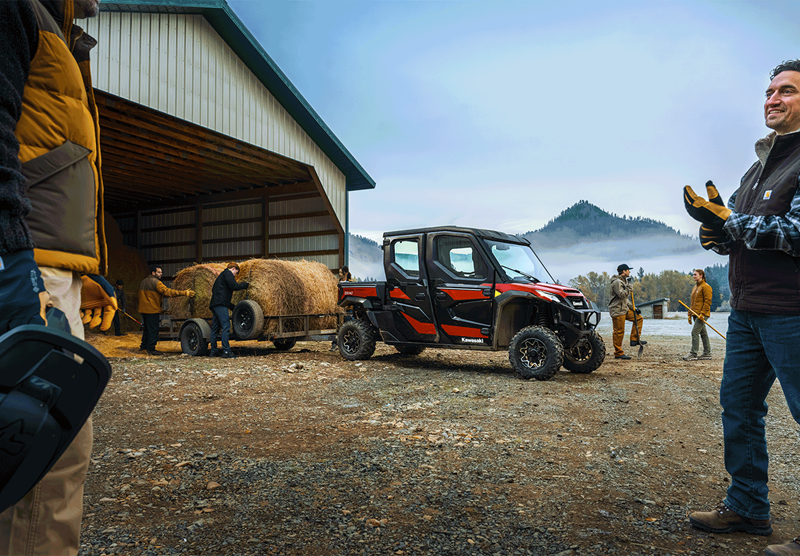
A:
<point x="690" y="319"/>
<point x="712" y="212"/>
<point x="638" y="311"/>
<point x="98" y="302"/>
<point x="23" y="299"/>
<point x="189" y="293"/>
<point x="711" y="236"/>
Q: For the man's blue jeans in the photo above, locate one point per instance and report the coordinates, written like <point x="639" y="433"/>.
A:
<point x="220" y="326"/>
<point x="760" y="347"/>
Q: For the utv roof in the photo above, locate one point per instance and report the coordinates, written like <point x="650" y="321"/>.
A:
<point x="486" y="234"/>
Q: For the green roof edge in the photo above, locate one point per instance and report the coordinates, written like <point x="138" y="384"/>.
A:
<point x="225" y="22"/>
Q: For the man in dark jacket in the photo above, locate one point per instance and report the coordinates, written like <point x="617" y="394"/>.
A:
<point x="760" y="230"/>
<point x="221" y="294"/>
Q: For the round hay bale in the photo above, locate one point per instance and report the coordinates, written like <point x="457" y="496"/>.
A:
<point x="200" y="278"/>
<point x="284" y="288"/>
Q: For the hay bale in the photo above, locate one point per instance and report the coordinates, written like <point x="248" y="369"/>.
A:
<point x="289" y="288"/>
<point x="200" y="278"/>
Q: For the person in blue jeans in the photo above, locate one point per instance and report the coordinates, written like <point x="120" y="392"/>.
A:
<point x="760" y="231"/>
<point x="221" y="295"/>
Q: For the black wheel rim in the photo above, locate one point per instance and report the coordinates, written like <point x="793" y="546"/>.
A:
<point x="582" y="351"/>
<point x="193" y="338"/>
<point x="246" y="320"/>
<point x="350" y="341"/>
<point x="533" y="353"/>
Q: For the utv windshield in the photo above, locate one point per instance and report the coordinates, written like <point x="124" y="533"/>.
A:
<point x="519" y="262"/>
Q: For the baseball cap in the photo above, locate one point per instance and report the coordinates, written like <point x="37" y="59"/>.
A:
<point x="623" y="267"/>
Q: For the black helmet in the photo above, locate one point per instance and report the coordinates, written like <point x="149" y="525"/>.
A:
<point x="46" y="395"/>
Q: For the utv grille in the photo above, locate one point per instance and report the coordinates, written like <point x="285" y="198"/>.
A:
<point x="578" y="302"/>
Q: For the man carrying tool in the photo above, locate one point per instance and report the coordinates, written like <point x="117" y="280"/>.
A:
<point x="760" y="230"/>
<point x="620" y="307"/>
<point x="701" y="306"/>
<point x="119" y="293"/>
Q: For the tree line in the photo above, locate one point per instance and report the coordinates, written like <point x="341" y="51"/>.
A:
<point x="672" y="284"/>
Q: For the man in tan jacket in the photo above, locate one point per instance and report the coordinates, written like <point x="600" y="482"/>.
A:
<point x="700" y="304"/>
<point x="620" y="308"/>
<point x="151" y="293"/>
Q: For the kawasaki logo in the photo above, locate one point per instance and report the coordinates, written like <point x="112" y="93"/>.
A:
<point x="471" y="341"/>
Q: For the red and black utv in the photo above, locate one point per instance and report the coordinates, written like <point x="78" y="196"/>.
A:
<point x="465" y="288"/>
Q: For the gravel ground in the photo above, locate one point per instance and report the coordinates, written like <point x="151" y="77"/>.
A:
<point x="304" y="453"/>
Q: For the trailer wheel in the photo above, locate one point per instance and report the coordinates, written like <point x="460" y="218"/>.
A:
<point x="248" y="320"/>
<point x="192" y="340"/>
<point x="587" y="355"/>
<point x="356" y="340"/>
<point x="405" y="349"/>
<point x="535" y="352"/>
<point x="284" y="344"/>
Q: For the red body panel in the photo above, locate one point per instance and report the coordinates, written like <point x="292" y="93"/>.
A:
<point x="420" y="327"/>
<point x="360" y="291"/>
<point x="398" y="294"/>
<point x="462" y="331"/>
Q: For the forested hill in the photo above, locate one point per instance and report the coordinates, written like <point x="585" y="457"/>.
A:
<point x="585" y="223"/>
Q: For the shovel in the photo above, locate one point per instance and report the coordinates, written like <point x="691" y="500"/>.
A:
<point x="702" y="320"/>
<point x="636" y="325"/>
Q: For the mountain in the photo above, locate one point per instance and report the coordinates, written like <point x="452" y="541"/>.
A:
<point x="584" y="227"/>
<point x="366" y="258"/>
<point x="583" y="238"/>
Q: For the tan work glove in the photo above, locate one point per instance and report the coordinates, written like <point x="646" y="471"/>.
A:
<point x="189" y="293"/>
<point x="98" y="302"/>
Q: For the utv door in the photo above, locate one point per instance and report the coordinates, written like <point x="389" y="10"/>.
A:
<point x="462" y="288"/>
<point x="412" y="313"/>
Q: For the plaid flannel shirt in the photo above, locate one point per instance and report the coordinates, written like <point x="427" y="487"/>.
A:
<point x="775" y="233"/>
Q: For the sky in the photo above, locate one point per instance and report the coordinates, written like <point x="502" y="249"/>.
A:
<point x="500" y="115"/>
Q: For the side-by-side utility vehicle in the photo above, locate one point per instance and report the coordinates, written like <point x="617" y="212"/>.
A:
<point x="465" y="288"/>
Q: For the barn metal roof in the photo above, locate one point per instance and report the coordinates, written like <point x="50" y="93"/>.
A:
<point x="225" y="22"/>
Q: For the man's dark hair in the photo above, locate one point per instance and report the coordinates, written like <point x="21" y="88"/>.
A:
<point x="154" y="267"/>
<point x="790" y="65"/>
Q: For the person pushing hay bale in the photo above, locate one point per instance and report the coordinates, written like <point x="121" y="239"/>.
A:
<point x="199" y="278"/>
<point x="284" y="288"/>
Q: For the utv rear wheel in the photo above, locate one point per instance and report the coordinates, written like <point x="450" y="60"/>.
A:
<point x="535" y="352"/>
<point x="405" y="349"/>
<point x="356" y="340"/>
<point x="587" y="355"/>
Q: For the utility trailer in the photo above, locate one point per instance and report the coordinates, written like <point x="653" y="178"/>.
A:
<point x="247" y="323"/>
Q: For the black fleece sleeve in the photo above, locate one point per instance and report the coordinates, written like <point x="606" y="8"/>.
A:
<point x="19" y="38"/>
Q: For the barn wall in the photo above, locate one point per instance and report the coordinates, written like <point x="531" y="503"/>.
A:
<point x="232" y="232"/>
<point x="179" y="65"/>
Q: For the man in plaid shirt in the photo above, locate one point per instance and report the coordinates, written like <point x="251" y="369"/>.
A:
<point x="760" y="231"/>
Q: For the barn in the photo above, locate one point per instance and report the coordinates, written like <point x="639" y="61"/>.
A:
<point x="209" y="153"/>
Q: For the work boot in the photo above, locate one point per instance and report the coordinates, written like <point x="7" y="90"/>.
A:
<point x="704" y="356"/>
<point x="791" y="548"/>
<point x="623" y="356"/>
<point x="638" y="343"/>
<point x="722" y="519"/>
<point x="228" y="355"/>
<point x="214" y="353"/>
<point x="154" y="352"/>
<point x="691" y="357"/>
<point x="334" y="346"/>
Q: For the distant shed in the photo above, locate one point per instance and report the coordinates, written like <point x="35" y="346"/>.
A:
<point x="209" y="153"/>
<point x="654" y="309"/>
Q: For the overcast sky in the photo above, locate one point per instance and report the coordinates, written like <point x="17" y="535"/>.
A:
<point x="502" y="114"/>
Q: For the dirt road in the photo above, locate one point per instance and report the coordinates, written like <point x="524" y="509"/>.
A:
<point x="448" y="452"/>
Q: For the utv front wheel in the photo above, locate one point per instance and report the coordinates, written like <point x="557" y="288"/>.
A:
<point x="356" y="340"/>
<point x="535" y="352"/>
<point x="587" y="355"/>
